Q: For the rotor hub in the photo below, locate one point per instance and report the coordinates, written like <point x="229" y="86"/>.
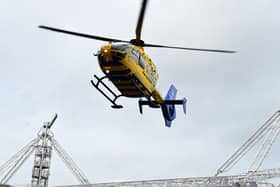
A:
<point x="137" y="42"/>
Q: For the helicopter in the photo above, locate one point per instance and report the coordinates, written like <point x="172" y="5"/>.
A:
<point x="131" y="70"/>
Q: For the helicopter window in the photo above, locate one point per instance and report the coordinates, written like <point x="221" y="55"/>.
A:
<point x="141" y="61"/>
<point x="121" y="47"/>
<point x="134" y="54"/>
<point x="117" y="56"/>
<point x="149" y="70"/>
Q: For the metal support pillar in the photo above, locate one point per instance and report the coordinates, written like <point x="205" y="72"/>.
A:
<point x="43" y="153"/>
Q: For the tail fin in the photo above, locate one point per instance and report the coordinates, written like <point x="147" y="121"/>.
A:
<point x="168" y="108"/>
<point x="168" y="105"/>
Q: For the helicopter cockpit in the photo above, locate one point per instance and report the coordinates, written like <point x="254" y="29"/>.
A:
<point x="119" y="51"/>
<point x="121" y="47"/>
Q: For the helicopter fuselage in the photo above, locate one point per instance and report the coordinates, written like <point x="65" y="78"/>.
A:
<point x="130" y="69"/>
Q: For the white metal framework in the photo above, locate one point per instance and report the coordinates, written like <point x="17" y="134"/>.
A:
<point x="43" y="146"/>
<point x="45" y="142"/>
<point x="245" y="178"/>
<point x="268" y="132"/>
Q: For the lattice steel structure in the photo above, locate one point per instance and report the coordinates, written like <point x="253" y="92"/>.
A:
<point x="45" y="142"/>
<point x="268" y="132"/>
<point x="43" y="146"/>
<point x="243" y="180"/>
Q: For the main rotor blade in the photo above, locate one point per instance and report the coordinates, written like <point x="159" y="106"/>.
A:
<point x="82" y="35"/>
<point x="140" y="20"/>
<point x="186" y="48"/>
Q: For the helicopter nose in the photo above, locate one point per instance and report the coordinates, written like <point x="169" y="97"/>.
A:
<point x="106" y="53"/>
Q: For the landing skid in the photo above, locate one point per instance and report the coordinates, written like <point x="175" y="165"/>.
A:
<point x="114" y="95"/>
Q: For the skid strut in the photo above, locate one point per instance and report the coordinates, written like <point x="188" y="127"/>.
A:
<point x="115" y="96"/>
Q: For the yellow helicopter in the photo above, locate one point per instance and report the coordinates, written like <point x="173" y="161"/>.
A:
<point x="131" y="70"/>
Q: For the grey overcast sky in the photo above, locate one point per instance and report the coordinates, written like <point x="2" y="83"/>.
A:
<point x="229" y="95"/>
